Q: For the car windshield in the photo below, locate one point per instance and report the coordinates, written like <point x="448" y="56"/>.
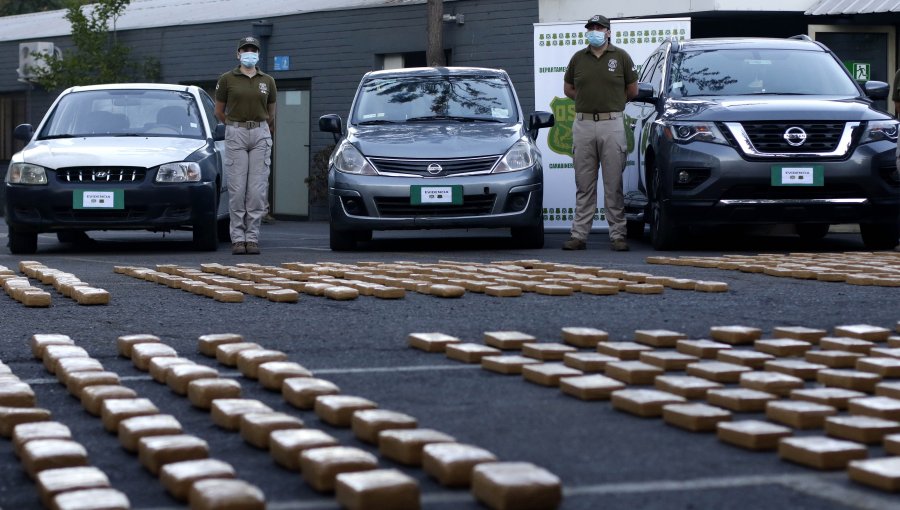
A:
<point x="725" y="72"/>
<point x="453" y="98"/>
<point x="125" y="112"/>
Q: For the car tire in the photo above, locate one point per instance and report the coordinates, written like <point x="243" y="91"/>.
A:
<point x="634" y="229"/>
<point x="663" y="233"/>
<point x="812" y="231"/>
<point x="879" y="236"/>
<point x="531" y="238"/>
<point x="22" y="243"/>
<point x="341" y="240"/>
<point x="73" y="236"/>
<point x="206" y="235"/>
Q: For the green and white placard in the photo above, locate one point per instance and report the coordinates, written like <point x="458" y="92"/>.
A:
<point x="91" y="199"/>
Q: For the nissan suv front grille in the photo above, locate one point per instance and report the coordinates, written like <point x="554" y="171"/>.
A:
<point x="434" y="167"/>
<point x="779" y="139"/>
<point x="101" y="175"/>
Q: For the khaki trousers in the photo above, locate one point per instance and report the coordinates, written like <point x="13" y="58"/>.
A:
<point x="599" y="143"/>
<point x="248" y="157"/>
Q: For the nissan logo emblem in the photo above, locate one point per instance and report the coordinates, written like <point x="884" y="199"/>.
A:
<point x="435" y="169"/>
<point x="795" y="136"/>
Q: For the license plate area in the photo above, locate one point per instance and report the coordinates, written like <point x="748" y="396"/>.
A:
<point x="93" y="199"/>
<point x="436" y="195"/>
<point x="798" y="175"/>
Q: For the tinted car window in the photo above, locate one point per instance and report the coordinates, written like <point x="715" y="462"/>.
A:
<point x="125" y="112"/>
<point x="759" y="71"/>
<point x="399" y="99"/>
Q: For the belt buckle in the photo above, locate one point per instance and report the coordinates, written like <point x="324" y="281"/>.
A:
<point x="596" y="117"/>
<point x="252" y="124"/>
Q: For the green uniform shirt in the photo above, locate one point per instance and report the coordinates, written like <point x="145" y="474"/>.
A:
<point x="245" y="98"/>
<point x="600" y="82"/>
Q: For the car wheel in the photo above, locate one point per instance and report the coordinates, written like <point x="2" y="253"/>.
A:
<point x="634" y="229"/>
<point x="205" y="235"/>
<point x="663" y="233"/>
<point x="531" y="238"/>
<point x="812" y="231"/>
<point x="879" y="236"/>
<point x="73" y="236"/>
<point x="341" y="240"/>
<point x="22" y="243"/>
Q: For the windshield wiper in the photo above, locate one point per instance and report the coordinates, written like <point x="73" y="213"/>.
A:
<point x="375" y="121"/>
<point x="130" y="134"/>
<point x="51" y="137"/>
<point x="457" y="118"/>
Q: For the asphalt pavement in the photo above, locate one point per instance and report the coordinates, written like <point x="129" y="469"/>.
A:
<point x="605" y="458"/>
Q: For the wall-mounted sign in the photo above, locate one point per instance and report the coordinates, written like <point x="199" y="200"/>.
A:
<point x="282" y="63"/>
<point x="861" y="71"/>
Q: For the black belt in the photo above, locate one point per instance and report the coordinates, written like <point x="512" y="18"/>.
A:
<point x="598" y="116"/>
<point x="250" y="124"/>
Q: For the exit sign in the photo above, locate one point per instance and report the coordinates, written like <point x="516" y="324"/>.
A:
<point x="861" y="71"/>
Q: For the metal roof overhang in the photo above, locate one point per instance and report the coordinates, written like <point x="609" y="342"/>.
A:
<point x="838" y="7"/>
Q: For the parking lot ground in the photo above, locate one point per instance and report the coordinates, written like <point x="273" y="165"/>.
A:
<point x="605" y="458"/>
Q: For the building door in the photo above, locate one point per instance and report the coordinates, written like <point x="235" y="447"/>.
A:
<point x="291" y="159"/>
<point x="866" y="50"/>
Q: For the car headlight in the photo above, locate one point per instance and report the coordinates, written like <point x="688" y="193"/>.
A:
<point x="349" y="160"/>
<point x="687" y="132"/>
<point x="877" y="130"/>
<point x="520" y="156"/>
<point x="178" y="172"/>
<point x="26" y="173"/>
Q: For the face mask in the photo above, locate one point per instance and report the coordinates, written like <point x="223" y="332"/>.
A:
<point x="596" y="38"/>
<point x="249" y="59"/>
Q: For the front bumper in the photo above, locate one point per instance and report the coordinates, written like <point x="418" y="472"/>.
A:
<point x="374" y="202"/>
<point x="147" y="205"/>
<point x="858" y="189"/>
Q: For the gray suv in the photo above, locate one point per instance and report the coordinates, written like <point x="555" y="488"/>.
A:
<point x="759" y="132"/>
<point x="443" y="147"/>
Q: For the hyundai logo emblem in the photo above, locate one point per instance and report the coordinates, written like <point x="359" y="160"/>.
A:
<point x="102" y="174"/>
<point x="795" y="136"/>
<point x="435" y="169"/>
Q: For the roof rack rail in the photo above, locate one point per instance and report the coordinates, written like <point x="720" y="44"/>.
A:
<point x="676" y="44"/>
<point x="802" y="37"/>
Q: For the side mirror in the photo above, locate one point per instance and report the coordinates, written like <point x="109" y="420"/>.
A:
<point x="538" y="120"/>
<point x="876" y="89"/>
<point x="645" y="93"/>
<point x="332" y="123"/>
<point x="219" y="132"/>
<point x="23" y="132"/>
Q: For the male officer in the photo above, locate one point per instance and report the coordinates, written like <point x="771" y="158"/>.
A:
<point x="600" y="78"/>
<point x="245" y="103"/>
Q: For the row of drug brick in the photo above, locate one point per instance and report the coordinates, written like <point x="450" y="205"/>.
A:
<point x="397" y="436"/>
<point x="524" y="274"/>
<point x="180" y="460"/>
<point x="52" y="458"/>
<point x="861" y="268"/>
<point x="328" y="466"/>
<point x="453" y="280"/>
<point x="230" y="290"/>
<point x="872" y="420"/>
<point x="67" y="284"/>
<point x="310" y="284"/>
